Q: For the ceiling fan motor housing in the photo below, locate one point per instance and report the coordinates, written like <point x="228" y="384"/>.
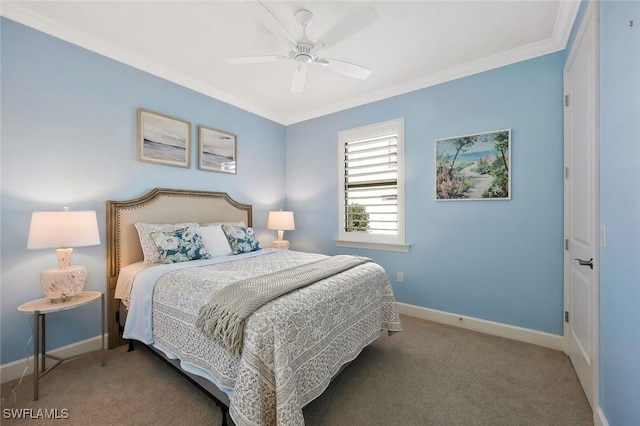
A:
<point x="303" y="49"/>
<point x="303" y="53"/>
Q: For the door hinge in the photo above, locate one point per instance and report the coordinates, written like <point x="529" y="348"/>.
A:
<point x="566" y="316"/>
<point x="566" y="100"/>
<point x="566" y="172"/>
<point x="566" y="244"/>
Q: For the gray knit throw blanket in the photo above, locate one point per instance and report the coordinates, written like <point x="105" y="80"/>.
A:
<point x="224" y="316"/>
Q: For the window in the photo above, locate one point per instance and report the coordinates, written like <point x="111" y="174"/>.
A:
<point x="371" y="189"/>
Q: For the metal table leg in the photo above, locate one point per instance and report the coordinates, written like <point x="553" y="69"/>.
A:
<point x="104" y="352"/>
<point x="43" y="348"/>
<point x="36" y="353"/>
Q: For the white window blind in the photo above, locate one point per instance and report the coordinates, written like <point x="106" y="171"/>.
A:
<point x="371" y="199"/>
<point x="371" y="185"/>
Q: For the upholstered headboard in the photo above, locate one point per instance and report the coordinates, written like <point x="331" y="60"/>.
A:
<point x="161" y="205"/>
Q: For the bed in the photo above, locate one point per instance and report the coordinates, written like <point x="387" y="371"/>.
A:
<point x="311" y="314"/>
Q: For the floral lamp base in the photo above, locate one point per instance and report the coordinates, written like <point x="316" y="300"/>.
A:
<point x="62" y="285"/>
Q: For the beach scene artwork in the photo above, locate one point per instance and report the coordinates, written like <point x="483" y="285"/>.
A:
<point x="474" y="167"/>
<point x="216" y="151"/>
<point x="163" y="139"/>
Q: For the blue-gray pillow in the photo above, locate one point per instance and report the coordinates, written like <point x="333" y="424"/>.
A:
<point x="181" y="245"/>
<point x="241" y="238"/>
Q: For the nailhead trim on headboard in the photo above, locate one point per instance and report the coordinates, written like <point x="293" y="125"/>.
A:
<point x="160" y="205"/>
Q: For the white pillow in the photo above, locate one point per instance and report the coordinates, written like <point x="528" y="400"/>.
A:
<point x="215" y="241"/>
<point x="149" y="248"/>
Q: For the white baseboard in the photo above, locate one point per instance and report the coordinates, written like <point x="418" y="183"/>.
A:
<point x="13" y="370"/>
<point x="598" y="418"/>
<point x="526" y="335"/>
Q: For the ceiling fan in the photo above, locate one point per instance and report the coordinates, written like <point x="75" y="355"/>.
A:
<point x="304" y="51"/>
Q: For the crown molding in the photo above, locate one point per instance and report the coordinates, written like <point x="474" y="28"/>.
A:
<point x="567" y="12"/>
<point x="565" y="19"/>
<point x="17" y="13"/>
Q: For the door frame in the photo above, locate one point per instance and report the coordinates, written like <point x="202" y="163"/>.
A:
<point x="591" y="17"/>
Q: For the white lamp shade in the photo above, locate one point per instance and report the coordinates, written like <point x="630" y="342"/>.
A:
<point x="281" y="221"/>
<point x="63" y="229"/>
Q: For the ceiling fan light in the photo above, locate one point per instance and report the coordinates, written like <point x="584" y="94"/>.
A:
<point x="303" y="58"/>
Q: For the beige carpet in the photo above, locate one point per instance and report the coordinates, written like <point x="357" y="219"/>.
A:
<point x="430" y="374"/>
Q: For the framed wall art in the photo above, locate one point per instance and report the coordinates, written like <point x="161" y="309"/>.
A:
<point x="163" y="139"/>
<point x="217" y="150"/>
<point x="474" y="167"/>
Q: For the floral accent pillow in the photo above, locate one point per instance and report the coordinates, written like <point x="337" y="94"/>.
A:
<point x="241" y="238"/>
<point x="149" y="248"/>
<point x="180" y="245"/>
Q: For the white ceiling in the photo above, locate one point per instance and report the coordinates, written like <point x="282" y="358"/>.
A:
<point x="412" y="44"/>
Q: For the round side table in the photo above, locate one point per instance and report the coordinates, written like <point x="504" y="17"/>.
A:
<point x="40" y="308"/>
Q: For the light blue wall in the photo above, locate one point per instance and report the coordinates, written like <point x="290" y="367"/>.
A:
<point x="496" y="260"/>
<point x="69" y="139"/>
<point x="620" y="212"/>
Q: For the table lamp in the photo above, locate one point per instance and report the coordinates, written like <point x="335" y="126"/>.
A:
<point x="63" y="230"/>
<point x="281" y="221"/>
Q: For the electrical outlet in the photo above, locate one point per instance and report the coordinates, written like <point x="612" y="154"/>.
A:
<point x="400" y="277"/>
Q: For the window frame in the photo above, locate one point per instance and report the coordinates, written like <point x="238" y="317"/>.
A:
<point x="366" y="240"/>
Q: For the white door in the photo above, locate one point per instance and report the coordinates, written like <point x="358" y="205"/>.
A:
<point x="581" y="205"/>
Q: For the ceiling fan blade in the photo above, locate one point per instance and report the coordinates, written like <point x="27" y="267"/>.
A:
<point x="257" y="59"/>
<point x="262" y="14"/>
<point x="351" y="25"/>
<point x="299" y="79"/>
<point x="346" y="68"/>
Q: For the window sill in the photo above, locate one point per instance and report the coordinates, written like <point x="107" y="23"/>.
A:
<point x="402" y="248"/>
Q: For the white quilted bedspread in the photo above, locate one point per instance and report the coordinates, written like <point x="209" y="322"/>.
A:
<point x="293" y="345"/>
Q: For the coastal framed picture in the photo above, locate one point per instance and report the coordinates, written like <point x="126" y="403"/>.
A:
<point x="163" y="139"/>
<point x="474" y="167"/>
<point x="217" y="150"/>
